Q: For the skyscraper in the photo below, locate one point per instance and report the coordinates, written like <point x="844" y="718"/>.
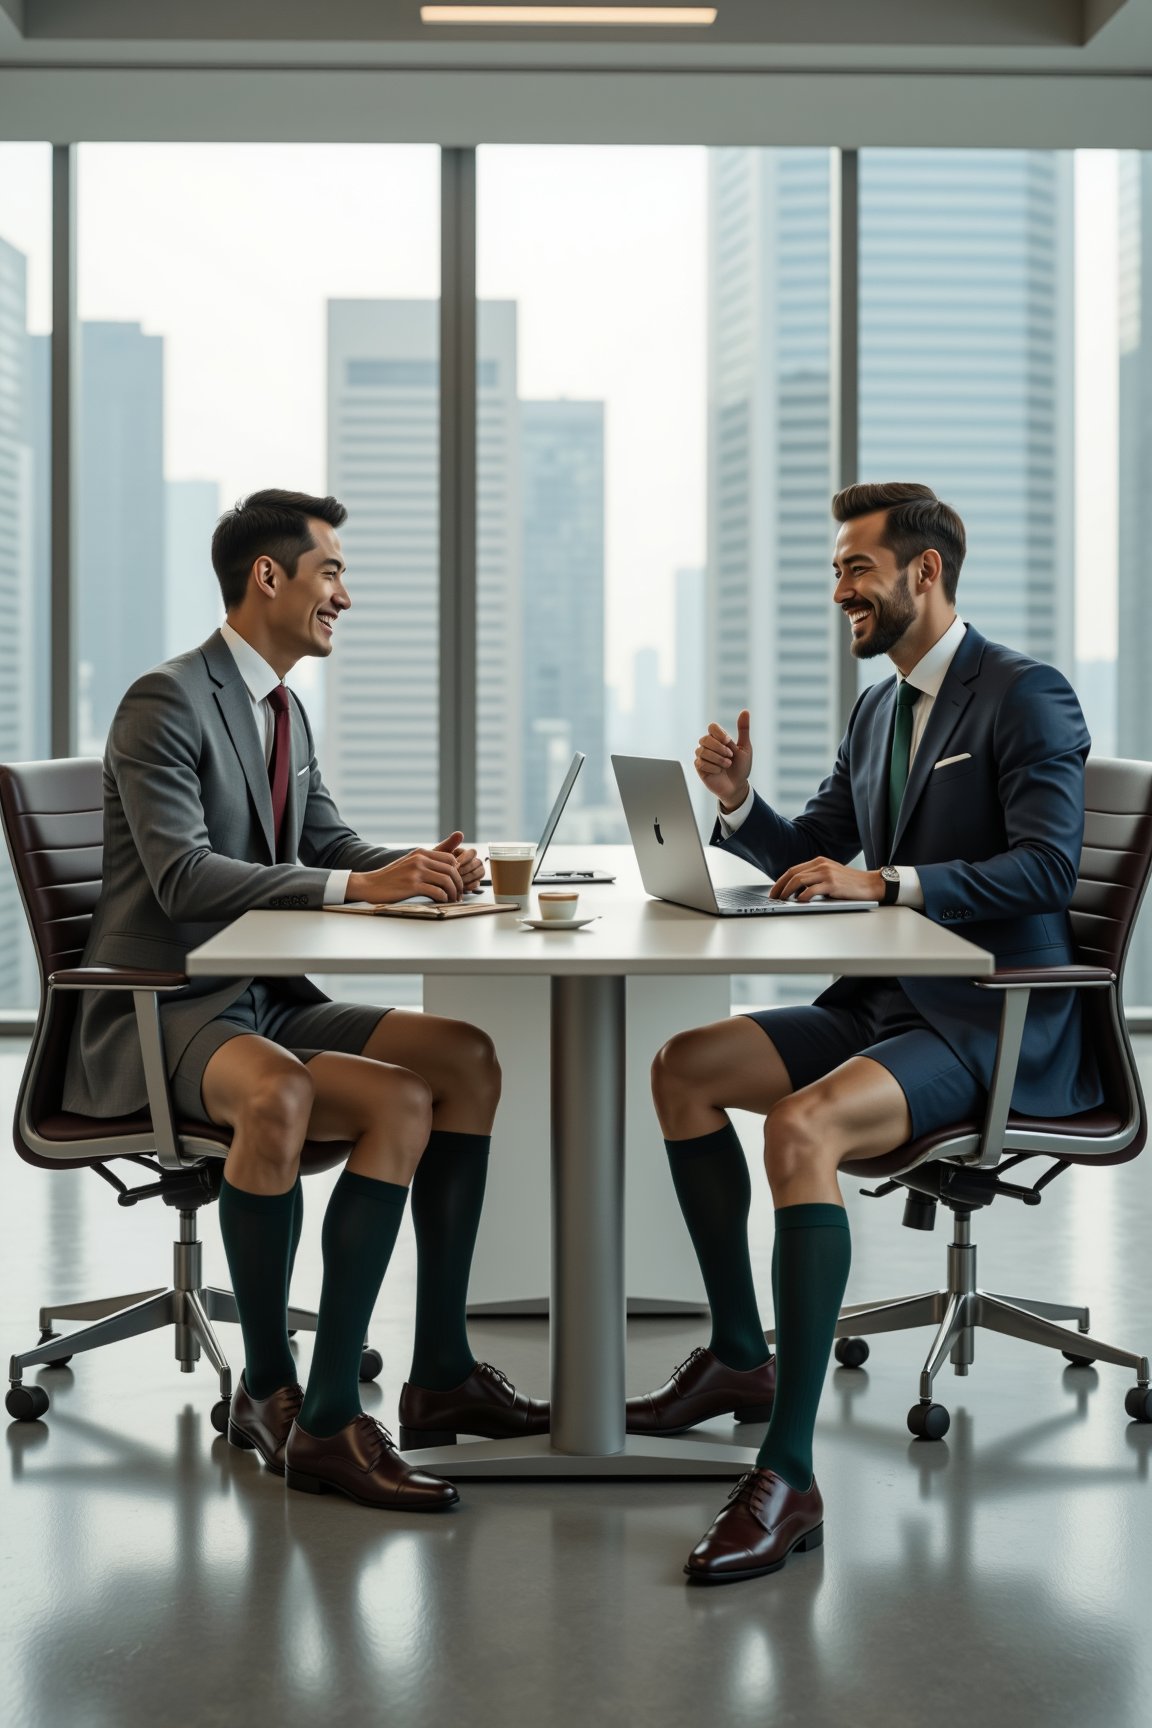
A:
<point x="967" y="365"/>
<point x="383" y="462"/>
<point x="18" y="646"/>
<point x="192" y="601"/>
<point x="120" y="563"/>
<point x="769" y="617"/>
<point x="562" y="468"/>
<point x="1134" y="721"/>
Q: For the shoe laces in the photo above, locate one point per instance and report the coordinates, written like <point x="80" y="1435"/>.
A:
<point x="494" y="1373"/>
<point x="687" y="1362"/>
<point x="750" y="1490"/>
<point x="377" y="1433"/>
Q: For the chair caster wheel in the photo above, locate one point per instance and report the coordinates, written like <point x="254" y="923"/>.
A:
<point x="1138" y="1403"/>
<point x="371" y="1363"/>
<point x="26" y="1403"/>
<point x="851" y="1352"/>
<point x="61" y="1361"/>
<point x="1075" y="1361"/>
<point x="928" y="1421"/>
<point x="218" y="1415"/>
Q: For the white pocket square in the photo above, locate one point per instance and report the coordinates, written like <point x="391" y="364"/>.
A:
<point x="947" y="761"/>
<point x="300" y="772"/>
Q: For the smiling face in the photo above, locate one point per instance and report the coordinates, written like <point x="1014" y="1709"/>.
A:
<point x="299" y="613"/>
<point x="881" y="602"/>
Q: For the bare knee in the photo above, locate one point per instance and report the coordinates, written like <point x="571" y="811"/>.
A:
<point x="273" y="1114"/>
<point x="797" y="1137"/>
<point x="404" y="1106"/>
<point x="676" y="1069"/>
<point x="480" y="1065"/>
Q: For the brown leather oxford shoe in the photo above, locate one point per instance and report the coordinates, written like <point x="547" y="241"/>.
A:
<point x="361" y="1462"/>
<point x="486" y="1404"/>
<point x="264" y="1423"/>
<point x="703" y="1386"/>
<point x="764" y="1521"/>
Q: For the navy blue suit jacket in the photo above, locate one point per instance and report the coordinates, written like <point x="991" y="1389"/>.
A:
<point x="996" y="841"/>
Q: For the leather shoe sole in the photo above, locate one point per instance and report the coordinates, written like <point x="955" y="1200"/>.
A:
<point x="317" y="1485"/>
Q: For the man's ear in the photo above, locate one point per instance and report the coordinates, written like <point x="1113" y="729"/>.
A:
<point x="265" y="574"/>
<point x="931" y="568"/>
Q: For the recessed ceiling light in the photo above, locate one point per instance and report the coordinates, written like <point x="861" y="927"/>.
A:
<point x="690" y="15"/>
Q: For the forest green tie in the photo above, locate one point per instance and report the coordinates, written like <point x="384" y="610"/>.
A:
<point x="906" y="695"/>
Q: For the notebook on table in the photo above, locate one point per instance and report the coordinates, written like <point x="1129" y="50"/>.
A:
<point x="425" y="909"/>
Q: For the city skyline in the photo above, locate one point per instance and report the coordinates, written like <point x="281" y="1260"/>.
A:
<point x="771" y="294"/>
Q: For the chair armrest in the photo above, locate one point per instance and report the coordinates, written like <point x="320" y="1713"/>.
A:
<point x="1047" y="978"/>
<point x="146" y="987"/>
<point x="115" y="978"/>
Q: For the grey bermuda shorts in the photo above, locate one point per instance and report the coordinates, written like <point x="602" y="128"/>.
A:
<point x="304" y="1028"/>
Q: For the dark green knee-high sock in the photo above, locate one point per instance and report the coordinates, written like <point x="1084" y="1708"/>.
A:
<point x="447" y="1197"/>
<point x="710" y="1174"/>
<point x="297" y="1226"/>
<point x="257" y="1233"/>
<point x="358" y="1236"/>
<point x="814" y="1252"/>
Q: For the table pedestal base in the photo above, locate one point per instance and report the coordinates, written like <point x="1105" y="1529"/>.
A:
<point x="477" y="1459"/>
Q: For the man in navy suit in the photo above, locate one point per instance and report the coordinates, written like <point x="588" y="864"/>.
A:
<point x="961" y="781"/>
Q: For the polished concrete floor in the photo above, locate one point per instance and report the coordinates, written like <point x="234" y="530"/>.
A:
<point x="153" y="1576"/>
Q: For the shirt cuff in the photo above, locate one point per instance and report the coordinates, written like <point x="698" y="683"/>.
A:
<point x="731" y="820"/>
<point x="336" y="888"/>
<point x="910" y="892"/>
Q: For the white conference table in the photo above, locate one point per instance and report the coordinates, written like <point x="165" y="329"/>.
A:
<point x="633" y="936"/>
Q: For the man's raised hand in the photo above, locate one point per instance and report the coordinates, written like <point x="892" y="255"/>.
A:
<point x="724" y="763"/>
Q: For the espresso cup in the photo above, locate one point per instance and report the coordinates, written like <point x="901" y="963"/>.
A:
<point x="559" y="905"/>
<point x="510" y="867"/>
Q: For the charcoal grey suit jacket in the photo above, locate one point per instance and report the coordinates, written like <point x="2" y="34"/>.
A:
<point x="188" y="847"/>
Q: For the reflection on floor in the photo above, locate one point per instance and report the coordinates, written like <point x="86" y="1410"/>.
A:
<point x="155" y="1576"/>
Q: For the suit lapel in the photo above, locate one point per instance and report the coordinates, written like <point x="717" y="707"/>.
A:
<point x="955" y="694"/>
<point x="235" y="707"/>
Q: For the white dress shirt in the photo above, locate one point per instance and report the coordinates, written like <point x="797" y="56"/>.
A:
<point x="926" y="676"/>
<point x="260" y="681"/>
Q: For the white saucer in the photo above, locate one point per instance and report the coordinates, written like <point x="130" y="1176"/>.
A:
<point x="558" y="923"/>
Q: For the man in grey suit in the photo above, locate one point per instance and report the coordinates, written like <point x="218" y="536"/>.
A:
<point x="214" y="804"/>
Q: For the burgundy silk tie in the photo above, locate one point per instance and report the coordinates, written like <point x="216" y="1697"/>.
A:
<point x="280" y="761"/>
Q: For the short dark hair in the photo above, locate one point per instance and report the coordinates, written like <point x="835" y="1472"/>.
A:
<point x="917" y="520"/>
<point x="270" y="524"/>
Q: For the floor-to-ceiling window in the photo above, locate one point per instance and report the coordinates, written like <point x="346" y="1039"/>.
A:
<point x="654" y="386"/>
<point x="25" y="551"/>
<point x="252" y="317"/>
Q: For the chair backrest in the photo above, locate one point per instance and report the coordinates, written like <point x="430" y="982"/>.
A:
<point x="53" y="821"/>
<point x="1115" y="860"/>
<point x="1115" y="864"/>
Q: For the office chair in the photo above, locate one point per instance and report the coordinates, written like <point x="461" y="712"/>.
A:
<point x="963" y="1166"/>
<point x="52" y="817"/>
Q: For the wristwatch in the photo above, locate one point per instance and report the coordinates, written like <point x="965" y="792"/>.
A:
<point x="891" y="883"/>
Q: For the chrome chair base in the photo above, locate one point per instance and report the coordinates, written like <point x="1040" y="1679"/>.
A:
<point x="961" y="1308"/>
<point x="189" y="1306"/>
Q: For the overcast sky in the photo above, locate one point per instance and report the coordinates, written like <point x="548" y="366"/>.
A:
<point x="231" y="252"/>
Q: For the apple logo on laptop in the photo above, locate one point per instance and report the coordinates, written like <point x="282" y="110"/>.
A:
<point x="656" y="831"/>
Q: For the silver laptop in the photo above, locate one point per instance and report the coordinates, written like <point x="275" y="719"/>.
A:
<point x="552" y="878"/>
<point x="670" y="853"/>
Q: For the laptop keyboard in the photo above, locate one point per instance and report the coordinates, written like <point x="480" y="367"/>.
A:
<point x="746" y="900"/>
